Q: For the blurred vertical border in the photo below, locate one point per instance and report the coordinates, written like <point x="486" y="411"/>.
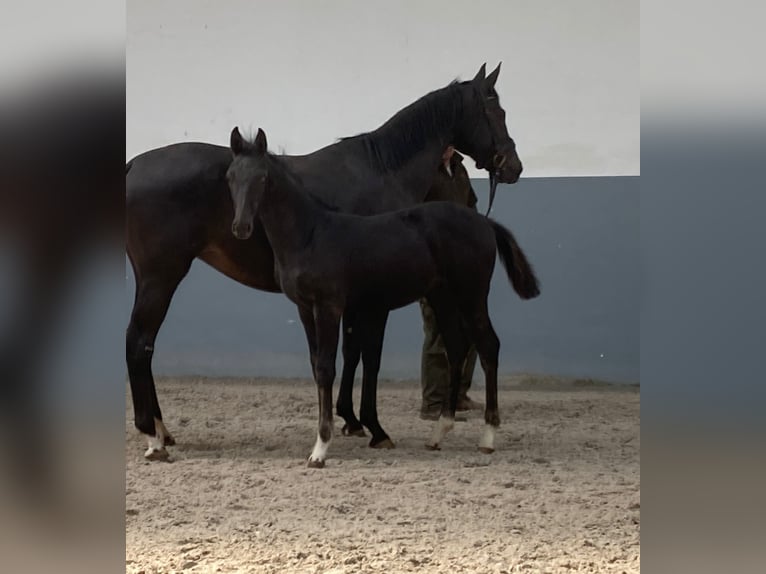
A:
<point x="62" y="303"/>
<point x="703" y="204"/>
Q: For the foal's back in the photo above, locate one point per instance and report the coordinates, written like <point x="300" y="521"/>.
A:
<point x="396" y="258"/>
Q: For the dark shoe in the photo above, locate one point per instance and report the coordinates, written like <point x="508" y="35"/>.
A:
<point x="468" y="404"/>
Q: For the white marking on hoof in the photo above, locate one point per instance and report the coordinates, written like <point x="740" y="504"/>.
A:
<point x="443" y="426"/>
<point x="319" y="454"/>
<point x="161" y="429"/>
<point x="487" y="442"/>
<point x="156" y="443"/>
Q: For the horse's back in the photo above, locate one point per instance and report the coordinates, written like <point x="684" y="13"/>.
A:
<point x="180" y="163"/>
<point x="174" y="196"/>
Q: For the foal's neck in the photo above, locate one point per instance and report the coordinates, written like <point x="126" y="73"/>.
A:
<point x="288" y="215"/>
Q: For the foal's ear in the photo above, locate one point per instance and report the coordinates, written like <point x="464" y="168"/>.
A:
<point x="481" y="74"/>
<point x="236" y="142"/>
<point x="492" y="78"/>
<point x="260" y="143"/>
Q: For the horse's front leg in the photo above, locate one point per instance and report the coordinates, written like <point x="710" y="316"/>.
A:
<point x="351" y="353"/>
<point x="327" y="324"/>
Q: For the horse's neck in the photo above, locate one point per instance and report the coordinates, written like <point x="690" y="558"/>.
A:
<point x="417" y="175"/>
<point x="288" y="216"/>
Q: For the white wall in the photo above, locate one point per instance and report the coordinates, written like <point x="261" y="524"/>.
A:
<point x="309" y="72"/>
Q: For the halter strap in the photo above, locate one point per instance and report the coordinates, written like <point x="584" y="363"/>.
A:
<point x="494" y="170"/>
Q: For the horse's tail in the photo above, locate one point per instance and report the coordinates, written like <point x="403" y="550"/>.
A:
<point x="519" y="270"/>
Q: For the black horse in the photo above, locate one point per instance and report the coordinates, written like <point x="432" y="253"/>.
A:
<point x="179" y="208"/>
<point x="330" y="263"/>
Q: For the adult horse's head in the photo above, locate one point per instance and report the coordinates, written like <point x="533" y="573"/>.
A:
<point x="483" y="134"/>
<point x="248" y="178"/>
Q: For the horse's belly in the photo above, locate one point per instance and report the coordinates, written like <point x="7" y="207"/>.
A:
<point x="251" y="267"/>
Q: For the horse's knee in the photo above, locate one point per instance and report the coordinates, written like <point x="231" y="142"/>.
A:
<point x="138" y="349"/>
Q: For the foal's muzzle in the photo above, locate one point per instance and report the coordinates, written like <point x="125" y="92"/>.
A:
<point x="242" y="229"/>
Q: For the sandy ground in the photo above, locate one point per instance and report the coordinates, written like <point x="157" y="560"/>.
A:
<point x="561" y="493"/>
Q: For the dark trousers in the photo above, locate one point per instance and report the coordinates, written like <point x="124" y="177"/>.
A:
<point x="434" y="368"/>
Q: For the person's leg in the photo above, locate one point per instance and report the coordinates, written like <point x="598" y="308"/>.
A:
<point x="434" y="370"/>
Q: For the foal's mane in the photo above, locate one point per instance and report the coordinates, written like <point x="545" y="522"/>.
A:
<point x="409" y="130"/>
<point x="277" y="163"/>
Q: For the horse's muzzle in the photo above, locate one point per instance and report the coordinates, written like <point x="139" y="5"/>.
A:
<point x="508" y="170"/>
<point x="242" y="229"/>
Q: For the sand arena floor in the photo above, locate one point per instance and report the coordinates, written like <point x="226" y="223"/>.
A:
<point x="561" y="493"/>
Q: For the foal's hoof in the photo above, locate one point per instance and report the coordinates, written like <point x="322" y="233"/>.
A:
<point x="486" y="450"/>
<point x="156" y="454"/>
<point x="348" y="431"/>
<point x="385" y="443"/>
<point x="169" y="440"/>
<point x="315" y="464"/>
<point x="431" y="446"/>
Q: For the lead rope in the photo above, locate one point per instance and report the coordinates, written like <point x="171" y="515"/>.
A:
<point x="492" y="189"/>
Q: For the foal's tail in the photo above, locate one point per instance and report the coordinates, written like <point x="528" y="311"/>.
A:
<point x="520" y="272"/>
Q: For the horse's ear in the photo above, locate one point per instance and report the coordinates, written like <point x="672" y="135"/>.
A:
<point x="236" y="142"/>
<point x="492" y="78"/>
<point x="481" y="74"/>
<point x="260" y="142"/>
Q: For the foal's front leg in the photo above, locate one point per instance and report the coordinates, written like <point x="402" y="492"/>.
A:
<point x="327" y="325"/>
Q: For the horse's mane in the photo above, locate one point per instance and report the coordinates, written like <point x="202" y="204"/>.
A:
<point x="409" y="130"/>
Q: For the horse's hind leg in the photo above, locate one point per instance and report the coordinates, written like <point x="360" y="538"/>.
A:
<point x="488" y="348"/>
<point x="351" y="354"/>
<point x="154" y="292"/>
<point x="373" y="327"/>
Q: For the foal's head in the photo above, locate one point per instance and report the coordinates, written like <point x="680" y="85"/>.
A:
<point x="484" y="135"/>
<point x="248" y="180"/>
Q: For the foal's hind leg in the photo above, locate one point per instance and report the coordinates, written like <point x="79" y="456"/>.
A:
<point x="488" y="348"/>
<point x="352" y="350"/>
<point x="456" y="345"/>
<point x="373" y="327"/>
<point x="153" y="294"/>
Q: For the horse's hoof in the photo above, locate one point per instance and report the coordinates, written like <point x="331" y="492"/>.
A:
<point x="385" y="443"/>
<point x="433" y="446"/>
<point x="486" y="450"/>
<point x="169" y="440"/>
<point x="315" y="464"/>
<point x="156" y="454"/>
<point x="346" y="431"/>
